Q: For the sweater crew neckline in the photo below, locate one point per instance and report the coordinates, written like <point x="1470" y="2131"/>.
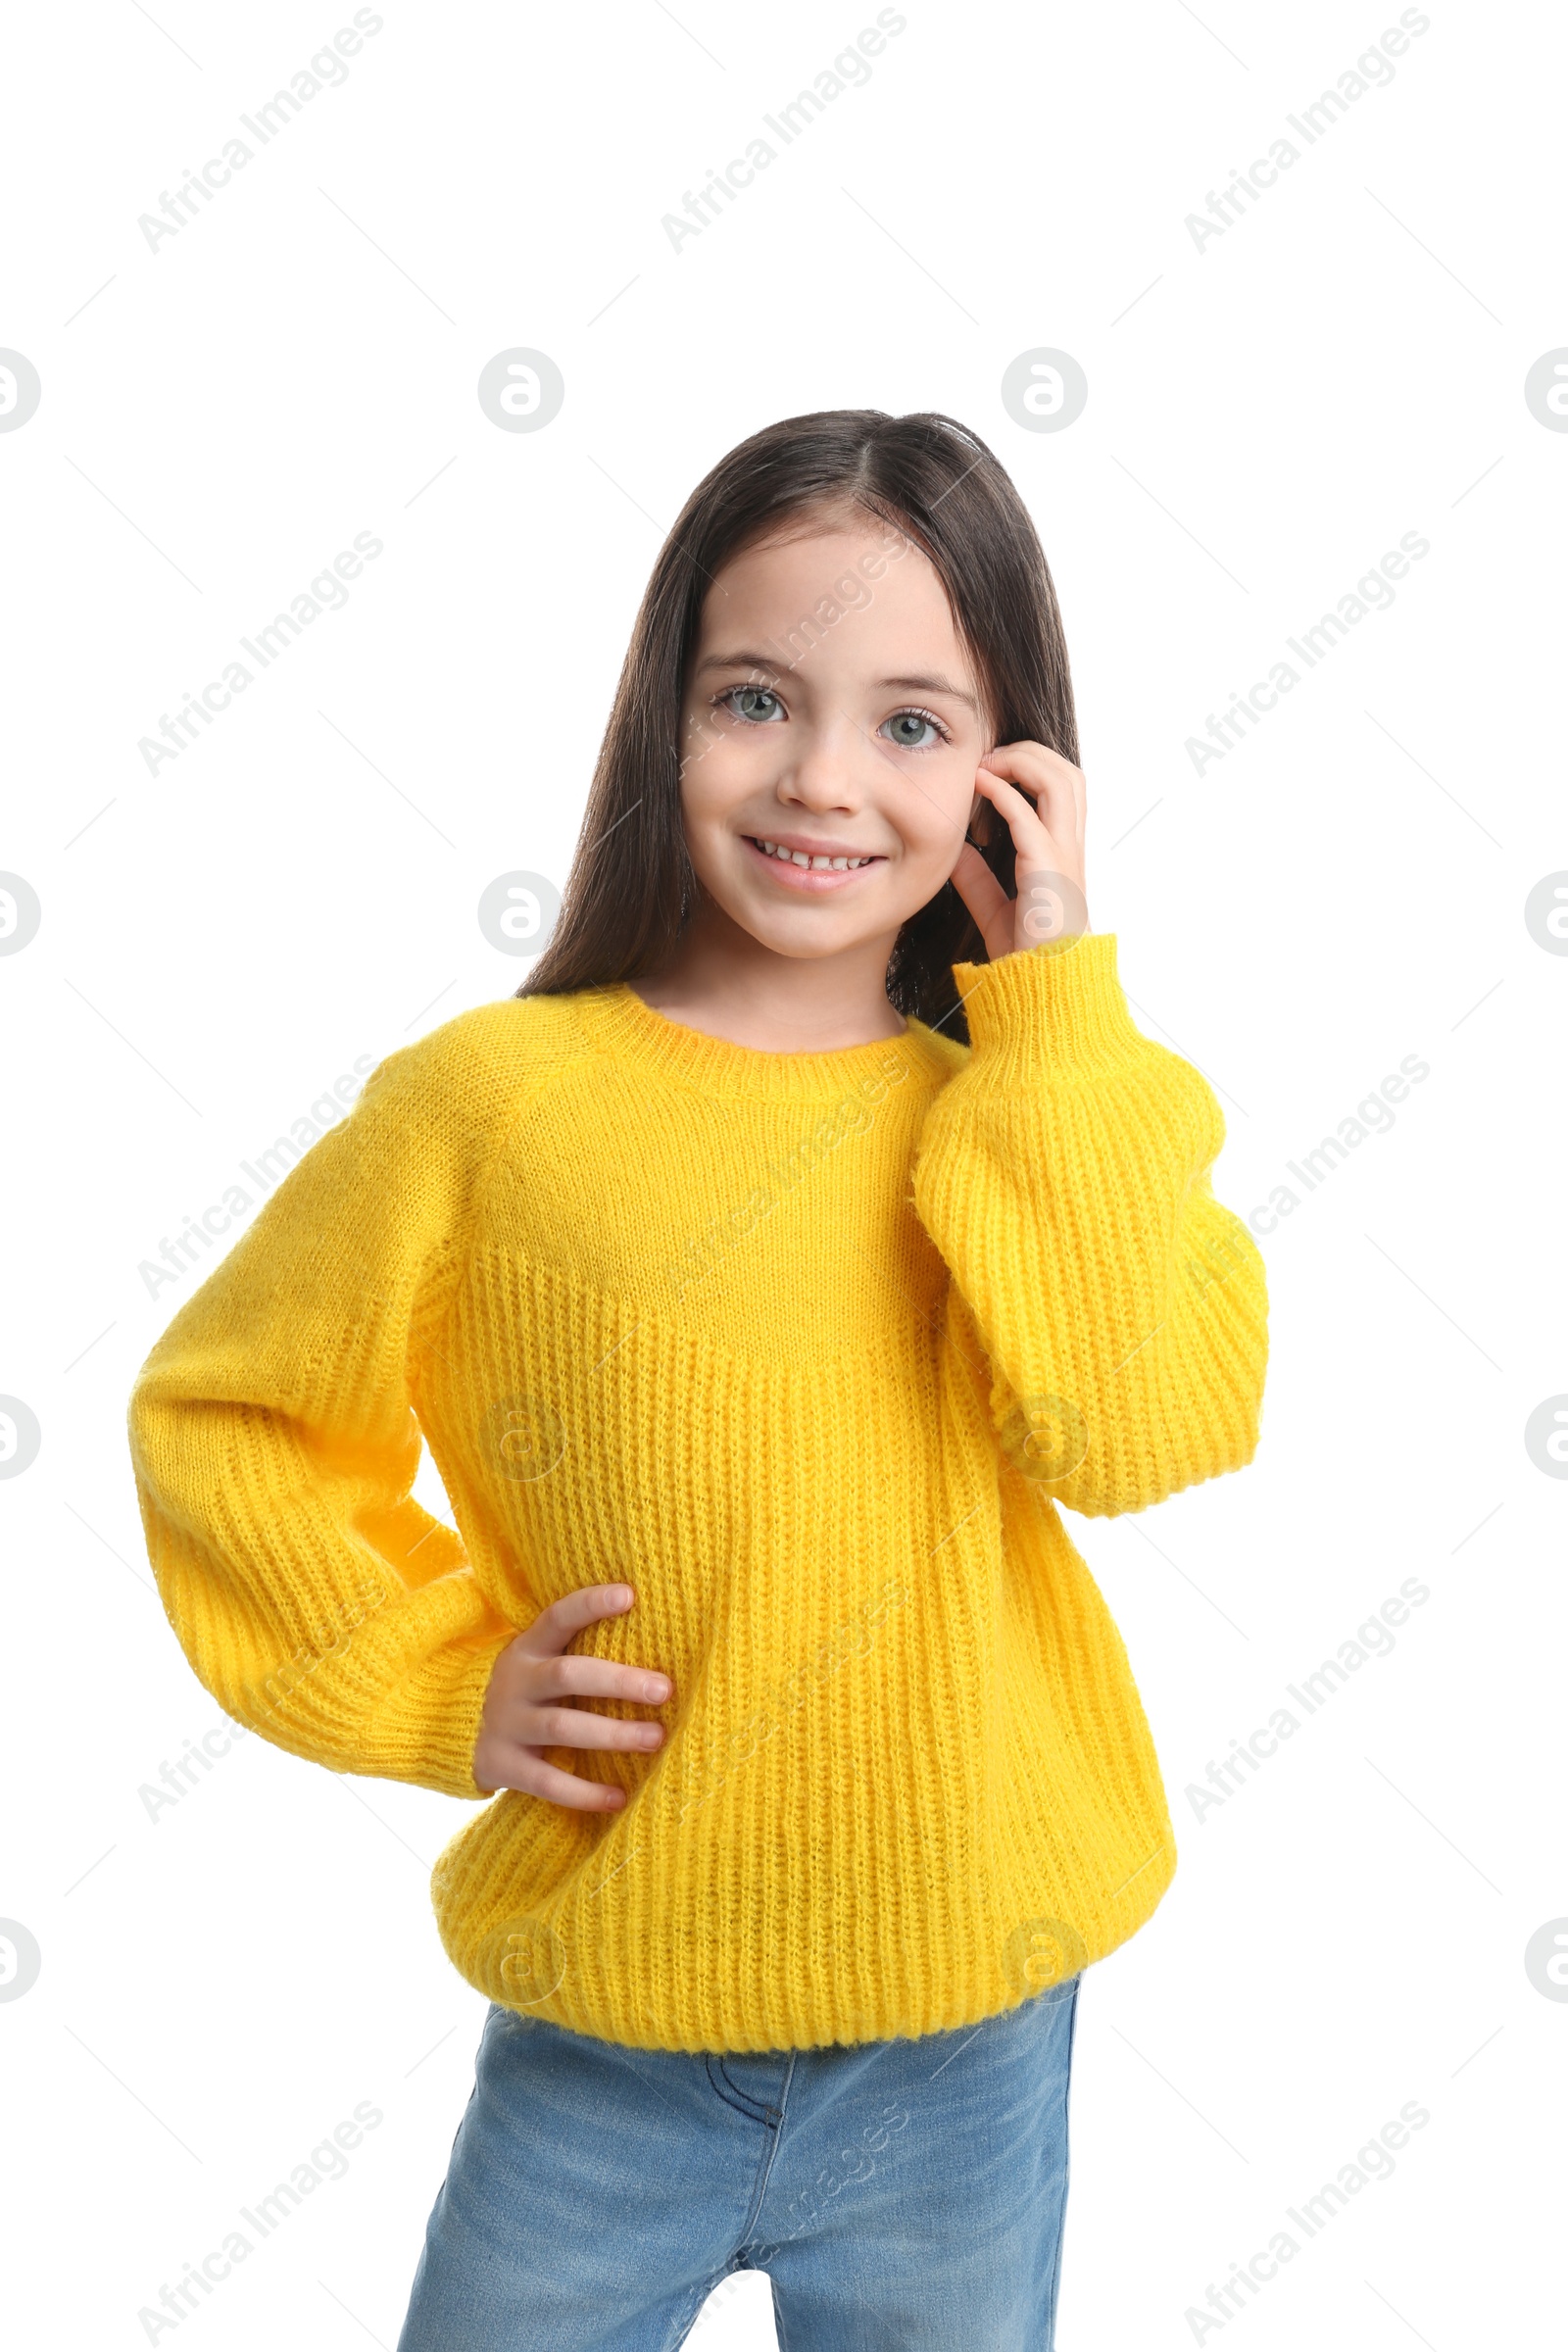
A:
<point x="717" y="1065"/>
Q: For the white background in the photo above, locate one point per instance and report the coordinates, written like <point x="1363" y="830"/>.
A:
<point x="1266" y="416"/>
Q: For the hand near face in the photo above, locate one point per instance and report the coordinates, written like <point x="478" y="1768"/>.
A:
<point x="1048" y="838"/>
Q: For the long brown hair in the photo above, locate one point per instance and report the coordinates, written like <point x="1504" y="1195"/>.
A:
<point x="632" y="889"/>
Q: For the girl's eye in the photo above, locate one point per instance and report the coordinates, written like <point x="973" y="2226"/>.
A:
<point x="746" y="702"/>
<point x="905" y="730"/>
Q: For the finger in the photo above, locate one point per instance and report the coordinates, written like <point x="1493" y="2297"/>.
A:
<point x="555" y="1626"/>
<point x="1056" y="784"/>
<point x="578" y="1726"/>
<point x="536" y="1778"/>
<point x="1037" y="854"/>
<point x="1032" y="839"/>
<point x="986" y="900"/>
<point x="1037" y="760"/>
<point x="1041" y="852"/>
<point x="599" y="1677"/>
<point x="980" y="890"/>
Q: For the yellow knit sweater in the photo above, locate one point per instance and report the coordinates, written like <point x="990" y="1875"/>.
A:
<point x="808" y="1347"/>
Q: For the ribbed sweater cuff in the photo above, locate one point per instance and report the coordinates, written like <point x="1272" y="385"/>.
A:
<point x="437" y="1712"/>
<point x="1044" y="1011"/>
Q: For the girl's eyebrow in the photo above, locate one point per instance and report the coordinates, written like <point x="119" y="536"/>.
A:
<point x="932" y="684"/>
<point x="740" y="660"/>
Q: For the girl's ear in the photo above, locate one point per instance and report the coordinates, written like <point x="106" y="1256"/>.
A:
<point x="979" y="827"/>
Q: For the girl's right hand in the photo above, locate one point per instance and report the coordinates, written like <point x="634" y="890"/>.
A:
<point x="528" y="1705"/>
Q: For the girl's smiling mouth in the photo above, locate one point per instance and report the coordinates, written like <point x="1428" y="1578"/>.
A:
<point x="813" y="870"/>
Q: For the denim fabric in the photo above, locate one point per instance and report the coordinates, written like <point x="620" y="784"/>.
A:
<point x="901" y="2195"/>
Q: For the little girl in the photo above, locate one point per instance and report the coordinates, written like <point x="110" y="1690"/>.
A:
<point x="765" y="1276"/>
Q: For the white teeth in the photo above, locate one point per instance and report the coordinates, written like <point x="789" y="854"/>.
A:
<point x="820" y="864"/>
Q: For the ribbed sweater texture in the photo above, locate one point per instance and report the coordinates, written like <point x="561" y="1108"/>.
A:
<point x="810" y="1348"/>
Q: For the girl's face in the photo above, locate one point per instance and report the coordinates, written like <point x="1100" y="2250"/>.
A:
<point x="830" y="712"/>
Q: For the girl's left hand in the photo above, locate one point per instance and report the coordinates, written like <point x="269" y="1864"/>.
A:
<point x="1048" y="838"/>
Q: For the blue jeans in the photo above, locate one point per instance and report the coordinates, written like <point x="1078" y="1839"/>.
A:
<point x="901" y="2194"/>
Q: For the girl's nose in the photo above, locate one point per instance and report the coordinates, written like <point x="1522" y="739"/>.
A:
<point x="826" y="766"/>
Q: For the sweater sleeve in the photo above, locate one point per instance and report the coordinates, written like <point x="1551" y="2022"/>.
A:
<point x="1064" y="1175"/>
<point x="274" y="1441"/>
